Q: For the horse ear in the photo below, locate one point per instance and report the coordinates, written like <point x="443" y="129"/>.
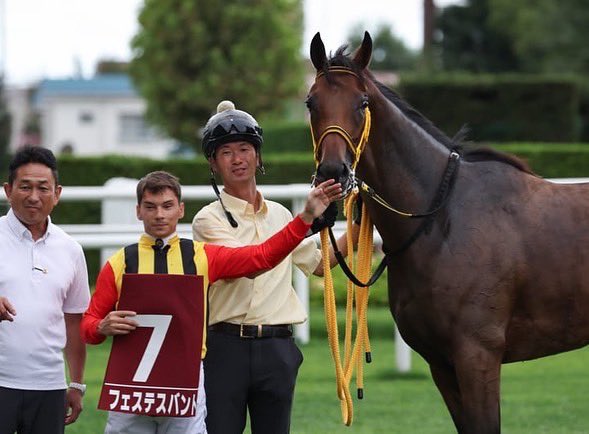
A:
<point x="364" y="52"/>
<point x="318" y="56"/>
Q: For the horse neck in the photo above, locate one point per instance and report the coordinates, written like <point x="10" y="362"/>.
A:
<point x="401" y="161"/>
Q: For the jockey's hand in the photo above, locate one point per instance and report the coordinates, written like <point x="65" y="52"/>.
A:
<point x="319" y="199"/>
<point x="118" y="322"/>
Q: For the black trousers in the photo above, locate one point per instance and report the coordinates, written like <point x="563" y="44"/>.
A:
<point x="32" y="411"/>
<point x="257" y="375"/>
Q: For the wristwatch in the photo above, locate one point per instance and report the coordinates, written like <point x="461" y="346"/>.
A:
<point x="78" y="386"/>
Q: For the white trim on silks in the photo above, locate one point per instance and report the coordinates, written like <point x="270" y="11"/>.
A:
<point x="127" y="423"/>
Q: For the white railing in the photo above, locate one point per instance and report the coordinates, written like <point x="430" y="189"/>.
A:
<point x="119" y="227"/>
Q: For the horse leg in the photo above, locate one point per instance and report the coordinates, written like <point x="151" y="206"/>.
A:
<point x="478" y="371"/>
<point x="445" y="378"/>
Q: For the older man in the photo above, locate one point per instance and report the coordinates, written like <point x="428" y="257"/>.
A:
<point x="43" y="293"/>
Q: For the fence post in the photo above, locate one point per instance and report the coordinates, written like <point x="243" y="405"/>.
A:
<point x="117" y="210"/>
<point x="301" y="285"/>
<point x="402" y="353"/>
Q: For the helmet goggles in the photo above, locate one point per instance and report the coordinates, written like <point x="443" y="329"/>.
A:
<point x="234" y="126"/>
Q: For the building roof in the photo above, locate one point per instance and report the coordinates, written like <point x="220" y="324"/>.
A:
<point x="105" y="85"/>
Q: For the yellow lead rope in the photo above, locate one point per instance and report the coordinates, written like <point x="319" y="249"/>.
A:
<point x="357" y="297"/>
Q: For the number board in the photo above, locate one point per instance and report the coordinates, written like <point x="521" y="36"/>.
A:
<point x="154" y="370"/>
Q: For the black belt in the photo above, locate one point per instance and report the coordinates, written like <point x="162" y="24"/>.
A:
<point x="253" y="331"/>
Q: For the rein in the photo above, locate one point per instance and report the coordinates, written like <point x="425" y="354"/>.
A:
<point x="356" y="297"/>
<point x="453" y="160"/>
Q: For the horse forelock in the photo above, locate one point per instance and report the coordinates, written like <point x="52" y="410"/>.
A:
<point x="341" y="58"/>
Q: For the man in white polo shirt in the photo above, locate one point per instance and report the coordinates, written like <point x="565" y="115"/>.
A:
<point x="43" y="293"/>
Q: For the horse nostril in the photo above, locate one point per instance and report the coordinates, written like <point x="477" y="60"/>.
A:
<point x="345" y="173"/>
<point x="336" y="171"/>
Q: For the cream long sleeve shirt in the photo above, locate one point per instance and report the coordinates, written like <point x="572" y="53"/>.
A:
<point x="270" y="297"/>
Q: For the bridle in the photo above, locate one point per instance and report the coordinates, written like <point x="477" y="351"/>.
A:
<point x="355" y="183"/>
<point x="356" y="149"/>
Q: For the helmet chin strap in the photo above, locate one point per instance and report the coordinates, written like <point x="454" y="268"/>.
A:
<point x="260" y="167"/>
<point x="230" y="218"/>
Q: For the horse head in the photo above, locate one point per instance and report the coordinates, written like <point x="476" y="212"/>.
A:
<point x="339" y="133"/>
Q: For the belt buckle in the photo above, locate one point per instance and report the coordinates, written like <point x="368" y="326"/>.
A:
<point x="241" y="335"/>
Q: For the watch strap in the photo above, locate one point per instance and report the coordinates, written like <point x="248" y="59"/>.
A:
<point x="78" y="386"/>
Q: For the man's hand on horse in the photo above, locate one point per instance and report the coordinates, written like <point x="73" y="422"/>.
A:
<point x="319" y="199"/>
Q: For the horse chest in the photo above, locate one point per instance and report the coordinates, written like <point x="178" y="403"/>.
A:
<point x="419" y="321"/>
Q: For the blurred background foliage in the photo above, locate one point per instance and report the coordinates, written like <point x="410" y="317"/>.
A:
<point x="190" y="54"/>
<point x="511" y="70"/>
<point x="514" y="72"/>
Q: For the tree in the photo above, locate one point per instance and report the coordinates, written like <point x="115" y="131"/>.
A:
<point x="467" y="41"/>
<point x="190" y="54"/>
<point x="549" y="36"/>
<point x="5" y="127"/>
<point x="389" y="53"/>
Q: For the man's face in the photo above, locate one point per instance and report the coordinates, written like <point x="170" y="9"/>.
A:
<point x="160" y="212"/>
<point x="33" y="194"/>
<point x="236" y="162"/>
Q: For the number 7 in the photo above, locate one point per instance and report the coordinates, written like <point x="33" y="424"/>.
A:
<point x="160" y="324"/>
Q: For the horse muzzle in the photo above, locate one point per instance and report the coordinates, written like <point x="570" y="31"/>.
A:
<point x="339" y="172"/>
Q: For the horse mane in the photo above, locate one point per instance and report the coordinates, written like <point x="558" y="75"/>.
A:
<point x="468" y="152"/>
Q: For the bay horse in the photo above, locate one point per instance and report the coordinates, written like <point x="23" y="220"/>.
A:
<point x="495" y="271"/>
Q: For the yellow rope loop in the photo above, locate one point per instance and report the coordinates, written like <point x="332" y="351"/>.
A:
<point x="364" y="263"/>
<point x="365" y="250"/>
<point x="342" y="389"/>
<point x="363" y="138"/>
<point x="352" y="359"/>
<point x="348" y="204"/>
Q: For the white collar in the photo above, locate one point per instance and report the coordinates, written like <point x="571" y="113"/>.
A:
<point x="240" y="206"/>
<point x="21" y="231"/>
<point x="165" y="240"/>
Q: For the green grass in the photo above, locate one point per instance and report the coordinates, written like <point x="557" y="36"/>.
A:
<point x="543" y="396"/>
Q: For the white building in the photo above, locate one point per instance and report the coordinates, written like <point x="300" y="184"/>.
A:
<point x="97" y="116"/>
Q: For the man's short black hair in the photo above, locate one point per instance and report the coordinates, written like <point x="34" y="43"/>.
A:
<point x="32" y="154"/>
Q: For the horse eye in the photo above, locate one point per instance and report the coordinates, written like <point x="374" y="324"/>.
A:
<point x="365" y="102"/>
<point x="309" y="103"/>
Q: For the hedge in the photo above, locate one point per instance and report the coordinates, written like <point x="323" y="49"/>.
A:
<point x="548" y="160"/>
<point x="499" y="108"/>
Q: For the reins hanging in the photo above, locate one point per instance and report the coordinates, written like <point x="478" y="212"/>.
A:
<point x="349" y="274"/>
<point x="358" y="297"/>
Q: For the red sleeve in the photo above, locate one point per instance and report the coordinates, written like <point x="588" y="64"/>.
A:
<point x="103" y="301"/>
<point x="231" y="262"/>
